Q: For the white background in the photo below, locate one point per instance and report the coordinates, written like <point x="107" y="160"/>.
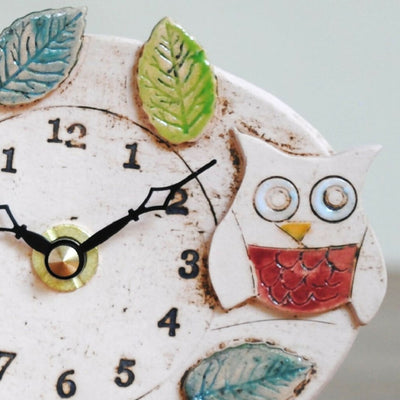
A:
<point x="337" y="63"/>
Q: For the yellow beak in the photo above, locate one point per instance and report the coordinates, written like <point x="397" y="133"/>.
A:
<point x="297" y="230"/>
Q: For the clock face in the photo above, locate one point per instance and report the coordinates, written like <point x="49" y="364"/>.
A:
<point x="73" y="166"/>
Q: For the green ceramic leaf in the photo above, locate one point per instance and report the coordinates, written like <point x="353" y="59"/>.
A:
<point x="176" y="83"/>
<point x="37" y="52"/>
<point x="252" y="371"/>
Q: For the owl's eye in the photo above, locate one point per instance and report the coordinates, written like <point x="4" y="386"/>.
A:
<point x="276" y="199"/>
<point x="333" y="199"/>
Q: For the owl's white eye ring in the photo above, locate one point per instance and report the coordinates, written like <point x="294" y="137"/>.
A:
<point x="276" y="199"/>
<point x="333" y="199"/>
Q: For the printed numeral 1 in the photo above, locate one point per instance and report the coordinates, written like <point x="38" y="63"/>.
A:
<point x="9" y="161"/>
<point x="169" y="321"/>
<point x="8" y="357"/>
<point x="131" y="164"/>
<point x="56" y="130"/>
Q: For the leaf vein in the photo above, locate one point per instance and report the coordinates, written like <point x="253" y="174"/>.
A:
<point x="49" y="39"/>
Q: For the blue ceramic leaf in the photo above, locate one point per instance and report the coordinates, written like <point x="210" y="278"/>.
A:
<point x="252" y="371"/>
<point x="37" y="52"/>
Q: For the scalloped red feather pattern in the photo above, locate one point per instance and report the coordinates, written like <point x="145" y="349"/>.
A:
<point x="305" y="280"/>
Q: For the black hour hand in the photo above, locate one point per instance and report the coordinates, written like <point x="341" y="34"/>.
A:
<point x="133" y="215"/>
<point x="33" y="239"/>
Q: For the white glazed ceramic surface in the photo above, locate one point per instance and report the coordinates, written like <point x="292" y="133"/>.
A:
<point x="115" y="315"/>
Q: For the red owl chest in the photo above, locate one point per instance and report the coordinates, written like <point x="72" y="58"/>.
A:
<point x="305" y="280"/>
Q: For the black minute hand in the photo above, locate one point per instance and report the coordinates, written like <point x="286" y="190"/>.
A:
<point x="110" y="230"/>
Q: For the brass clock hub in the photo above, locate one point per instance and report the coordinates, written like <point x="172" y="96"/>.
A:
<point x="63" y="261"/>
<point x="65" y="268"/>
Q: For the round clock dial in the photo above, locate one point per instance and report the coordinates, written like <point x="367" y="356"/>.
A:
<point x="73" y="166"/>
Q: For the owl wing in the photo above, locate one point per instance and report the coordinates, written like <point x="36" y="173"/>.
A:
<point x="230" y="269"/>
<point x="370" y="279"/>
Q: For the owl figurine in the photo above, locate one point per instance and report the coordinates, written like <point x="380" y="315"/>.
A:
<point x="296" y="239"/>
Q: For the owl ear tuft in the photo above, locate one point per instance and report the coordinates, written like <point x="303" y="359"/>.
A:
<point x="247" y="142"/>
<point x="359" y="158"/>
<point x="253" y="146"/>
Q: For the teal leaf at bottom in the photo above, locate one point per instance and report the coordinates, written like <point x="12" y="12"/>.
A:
<point x="252" y="371"/>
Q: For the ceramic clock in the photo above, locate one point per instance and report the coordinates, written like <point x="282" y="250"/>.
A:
<point x="168" y="231"/>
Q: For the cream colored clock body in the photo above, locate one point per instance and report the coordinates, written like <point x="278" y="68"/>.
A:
<point x="88" y="169"/>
